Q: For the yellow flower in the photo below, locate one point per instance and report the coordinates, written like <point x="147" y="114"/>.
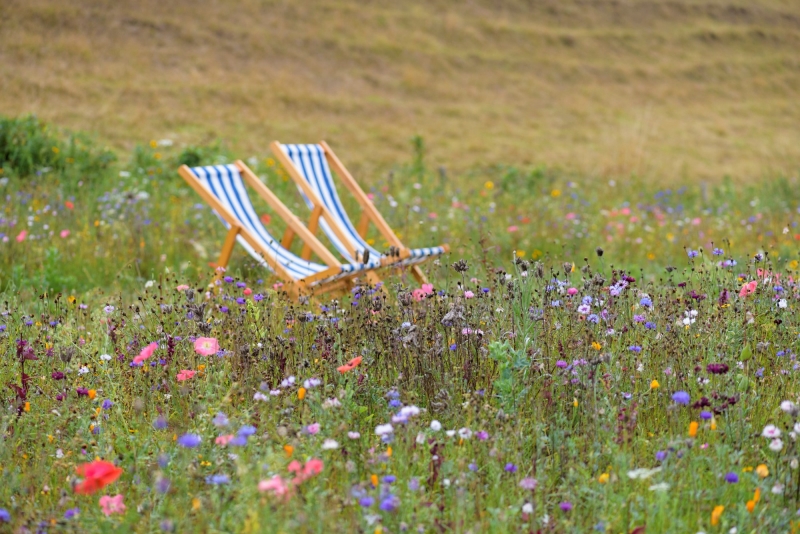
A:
<point x="389" y="451"/>
<point x="603" y="479"/>
<point x="520" y="253"/>
<point x="713" y="423"/>
<point x="56" y="150"/>
<point x="153" y="144"/>
<point x="654" y="384"/>
<point x="716" y="514"/>
<point x="693" y="429"/>
<point x="92" y="394"/>
<point x="489" y="184"/>
<point x="555" y="193"/>
<point x="301" y="393"/>
<point x="598" y="346"/>
<point x="374" y="479"/>
<point x="195" y="504"/>
<point x="751" y="505"/>
<point x="762" y="470"/>
<point x="575" y="402"/>
<point x="747" y="468"/>
<point x="27" y="406"/>
<point x="289" y="450"/>
<point x="757" y="495"/>
<point x="71" y="299"/>
<point x="270" y="162"/>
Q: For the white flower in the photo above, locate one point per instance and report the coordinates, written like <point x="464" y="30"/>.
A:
<point x="59" y="453"/>
<point x="259" y="396"/>
<point x="274" y="392"/>
<point x="149" y="284"/>
<point x="333" y="402"/>
<point x="782" y="303"/>
<point x="788" y="406"/>
<point x="777" y="489"/>
<point x="408" y="411"/>
<point x="733" y="530"/>
<point x="446" y="483"/>
<point x="797" y="427"/>
<point x="353" y="435"/>
<point x="420" y="438"/>
<point x="527" y="508"/>
<point x="545" y="519"/>
<point x="330" y="444"/>
<point x="83" y="370"/>
<point x="661" y="486"/>
<point x="436" y="425"/>
<point x="312" y="383"/>
<point x="776" y="444"/>
<point x="383" y="430"/>
<point x="643" y="473"/>
<point x="771" y="431"/>
<point x="450" y="433"/>
<point x="105" y="357"/>
<point x="465" y="433"/>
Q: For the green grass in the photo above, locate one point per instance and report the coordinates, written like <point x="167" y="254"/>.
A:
<point x="526" y="386"/>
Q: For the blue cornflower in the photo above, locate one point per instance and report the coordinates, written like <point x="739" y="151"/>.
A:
<point x="510" y="468"/>
<point x="706" y="415"/>
<point x="555" y="303"/>
<point x="650" y="325"/>
<point x="635" y="348"/>
<point x="247" y="430"/>
<point x="160" y="423"/>
<point x="681" y="397"/>
<point x="453" y="346"/>
<point x="593" y="318"/>
<point x="107" y="404"/>
<point x="216" y="480"/>
<point x="189" y="440"/>
<point x="72" y="512"/>
<point x="646" y="302"/>
<point x="390" y="503"/>
<point x="366" y="502"/>
<point x="692" y="253"/>
<point x="661" y="456"/>
<point x="586" y="300"/>
<point x="731" y="478"/>
<point x="718" y="252"/>
<point x="5" y="517"/>
<point x="394" y="403"/>
<point x="228" y="279"/>
<point x="389" y="479"/>
<point x="220" y="420"/>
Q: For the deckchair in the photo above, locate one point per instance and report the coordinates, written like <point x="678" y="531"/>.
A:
<point x="310" y="167"/>
<point x="222" y="187"/>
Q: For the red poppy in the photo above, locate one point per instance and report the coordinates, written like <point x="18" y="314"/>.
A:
<point x="69" y="205"/>
<point x="349" y="366"/>
<point x="96" y="475"/>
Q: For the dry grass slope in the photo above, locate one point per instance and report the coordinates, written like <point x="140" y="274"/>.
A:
<point x="671" y="90"/>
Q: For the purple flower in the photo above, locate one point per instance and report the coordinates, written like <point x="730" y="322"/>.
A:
<point x="58" y="375"/>
<point x="258" y="297"/>
<point x="681" y="397"/>
<point x="366" y="502"/>
<point x="160" y="423"/>
<point x="635" y="348"/>
<point x="216" y="480"/>
<point x="221" y="420"/>
<point x="72" y="512"/>
<point x="528" y="483"/>
<point x="718" y="252"/>
<point x="228" y="279"/>
<point x="482" y="435"/>
<point x="472" y="467"/>
<point x="162" y="485"/>
<point x="731" y="478"/>
<point x="82" y="392"/>
<point x="717" y="368"/>
<point x="107" y="404"/>
<point x="240" y="300"/>
<point x="390" y="503"/>
<point x="661" y="456"/>
<point x="389" y="479"/>
<point x="565" y="506"/>
<point x="692" y="253"/>
<point x="561" y="364"/>
<point x="593" y="318"/>
<point x="706" y="415"/>
<point x="510" y="468"/>
<point x="5" y="517"/>
<point x="650" y="325"/>
<point x="247" y="430"/>
<point x="413" y="484"/>
<point x="646" y="302"/>
<point x="189" y="440"/>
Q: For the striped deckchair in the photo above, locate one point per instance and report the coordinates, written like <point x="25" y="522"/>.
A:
<point x="222" y="187"/>
<point x="310" y="167"/>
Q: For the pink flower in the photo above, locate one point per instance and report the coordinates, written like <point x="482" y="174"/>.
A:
<point x="312" y="468"/>
<point x="247" y="291"/>
<point x="513" y="228"/>
<point x="418" y="295"/>
<point x="570" y="216"/>
<point x="146" y="353"/>
<point x="206" y="346"/>
<point x="572" y="291"/>
<point x="428" y="288"/>
<point x="224" y="440"/>
<point x="64" y="234"/>
<point x="276" y="485"/>
<point x="748" y="288"/>
<point x="21" y="236"/>
<point x="112" y="505"/>
<point x="277" y="286"/>
<point x="185" y="374"/>
<point x="182" y="287"/>
<point x="468" y="294"/>
<point x="313" y="428"/>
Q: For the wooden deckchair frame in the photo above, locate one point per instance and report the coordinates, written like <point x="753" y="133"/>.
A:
<point x="369" y="213"/>
<point x="297" y="287"/>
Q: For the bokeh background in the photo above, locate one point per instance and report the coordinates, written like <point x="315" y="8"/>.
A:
<point x="670" y="90"/>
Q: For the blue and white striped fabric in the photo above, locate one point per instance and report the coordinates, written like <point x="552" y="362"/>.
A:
<point x="225" y="183"/>
<point x="310" y="161"/>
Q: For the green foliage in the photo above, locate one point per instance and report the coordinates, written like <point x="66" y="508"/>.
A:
<point x="28" y="147"/>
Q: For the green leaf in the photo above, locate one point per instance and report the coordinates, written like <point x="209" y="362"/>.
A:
<point x="746" y="353"/>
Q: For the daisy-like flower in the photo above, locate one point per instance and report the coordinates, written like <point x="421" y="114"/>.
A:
<point x="771" y="432"/>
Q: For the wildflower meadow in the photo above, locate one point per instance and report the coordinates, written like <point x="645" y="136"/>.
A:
<point x="591" y="356"/>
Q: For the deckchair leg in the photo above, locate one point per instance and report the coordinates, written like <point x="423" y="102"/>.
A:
<point x="227" y="250"/>
<point x="419" y="276"/>
<point x="313" y="224"/>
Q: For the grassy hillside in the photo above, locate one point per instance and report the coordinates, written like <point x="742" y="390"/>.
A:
<point x="668" y="90"/>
